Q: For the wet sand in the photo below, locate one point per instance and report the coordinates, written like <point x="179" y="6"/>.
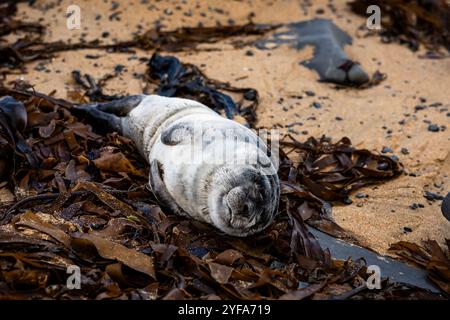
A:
<point x="381" y="116"/>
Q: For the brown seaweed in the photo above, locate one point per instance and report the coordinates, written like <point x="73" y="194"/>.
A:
<point x="429" y="256"/>
<point x="28" y="49"/>
<point x="412" y="22"/>
<point x="177" y="79"/>
<point x="156" y="255"/>
<point x="327" y="172"/>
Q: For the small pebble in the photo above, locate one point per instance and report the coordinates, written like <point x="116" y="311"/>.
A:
<point x="432" y="196"/>
<point x="386" y="150"/>
<point x="383" y="166"/>
<point x="348" y="201"/>
<point x="92" y="56"/>
<point x="114" y="5"/>
<point x="316" y="105"/>
<point x="394" y="158"/>
<point x="420" y="107"/>
<point x="250" y="95"/>
<point x="433" y="128"/>
<point x="119" y="68"/>
<point x="361" y="195"/>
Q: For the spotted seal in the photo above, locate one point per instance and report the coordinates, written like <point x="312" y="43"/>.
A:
<point x="202" y="165"/>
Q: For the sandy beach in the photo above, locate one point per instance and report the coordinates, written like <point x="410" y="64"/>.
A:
<point x="381" y="116"/>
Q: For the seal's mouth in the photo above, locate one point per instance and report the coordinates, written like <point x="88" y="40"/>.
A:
<point x="239" y="227"/>
<point x="240" y="221"/>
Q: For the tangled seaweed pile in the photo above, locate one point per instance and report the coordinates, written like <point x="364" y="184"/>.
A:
<point x="86" y="205"/>
<point x="412" y="22"/>
<point x="31" y="47"/>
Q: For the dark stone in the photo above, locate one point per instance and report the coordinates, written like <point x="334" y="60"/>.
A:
<point x="394" y="158"/>
<point x="320" y="11"/>
<point x="119" y="68"/>
<point x="433" y="128"/>
<point x="407" y="229"/>
<point x="386" y="150"/>
<point x="348" y="201"/>
<point x="250" y="95"/>
<point x="420" y="107"/>
<point x="316" y="105"/>
<point x="404" y="151"/>
<point x="114" y="5"/>
<point x="361" y="195"/>
<point x="383" y="166"/>
<point x="432" y="196"/>
<point x="92" y="56"/>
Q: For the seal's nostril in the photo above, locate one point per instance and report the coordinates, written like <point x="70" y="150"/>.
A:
<point x="245" y="210"/>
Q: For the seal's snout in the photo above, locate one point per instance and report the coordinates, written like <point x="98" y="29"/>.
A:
<point x="236" y="200"/>
<point x="246" y="201"/>
<point x="242" y="209"/>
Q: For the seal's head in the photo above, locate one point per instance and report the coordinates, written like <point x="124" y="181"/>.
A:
<point x="243" y="200"/>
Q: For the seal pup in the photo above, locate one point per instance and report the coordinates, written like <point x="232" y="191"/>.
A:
<point x="202" y="165"/>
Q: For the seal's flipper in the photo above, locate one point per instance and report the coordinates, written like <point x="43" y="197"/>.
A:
<point x="106" y="115"/>
<point x="121" y="107"/>
<point x="159" y="190"/>
<point x="101" y="121"/>
<point x="330" y="60"/>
